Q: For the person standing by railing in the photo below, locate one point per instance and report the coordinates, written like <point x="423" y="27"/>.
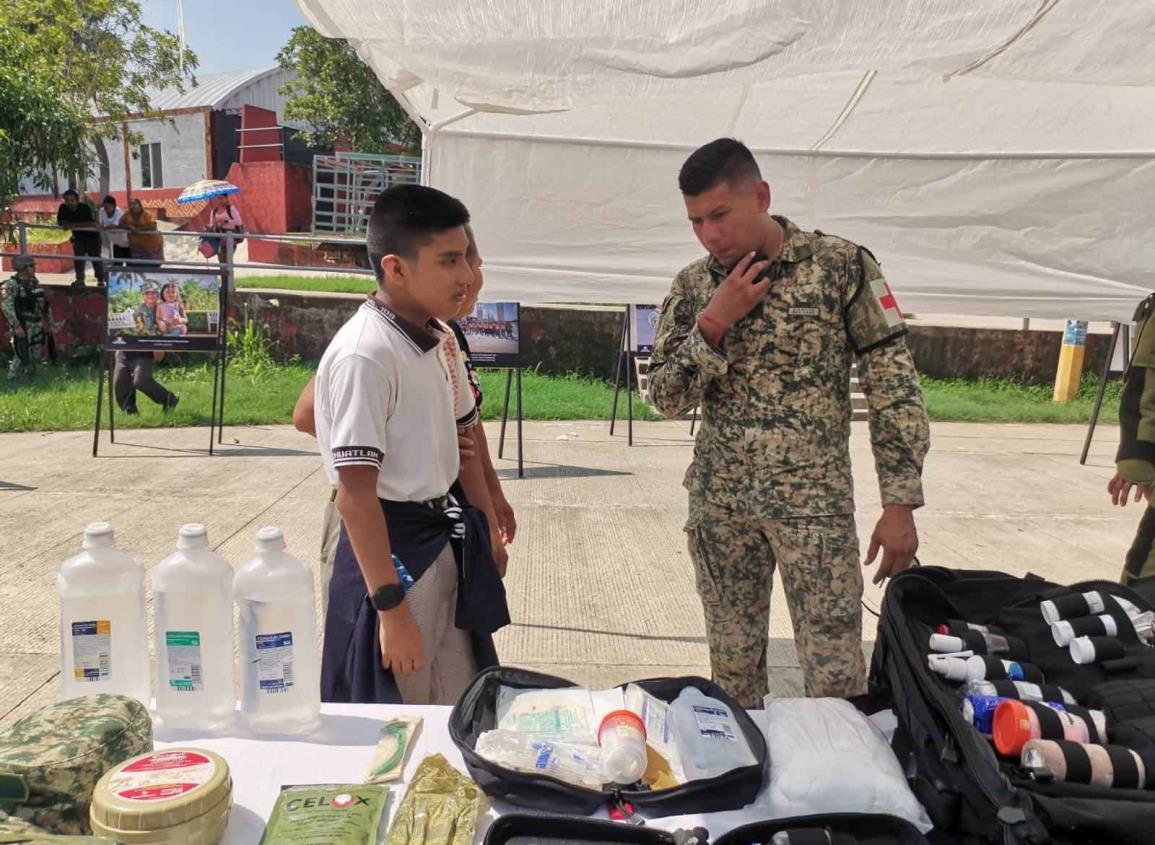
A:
<point x="144" y="240"/>
<point x="77" y="218"/>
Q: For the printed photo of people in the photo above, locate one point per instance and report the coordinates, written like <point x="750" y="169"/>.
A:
<point x="494" y="334"/>
<point x="164" y="310"/>
<point x="644" y="327"/>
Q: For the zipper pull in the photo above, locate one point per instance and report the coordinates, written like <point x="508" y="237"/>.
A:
<point x="622" y="810"/>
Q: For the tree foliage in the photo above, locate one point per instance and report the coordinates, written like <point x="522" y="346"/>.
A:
<point x="339" y="97"/>
<point x="101" y="60"/>
<point x="40" y="128"/>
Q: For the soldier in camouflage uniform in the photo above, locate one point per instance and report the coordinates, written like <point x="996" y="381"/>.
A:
<point x="51" y="761"/>
<point x="27" y="313"/>
<point x="1135" y="460"/>
<point x="764" y="343"/>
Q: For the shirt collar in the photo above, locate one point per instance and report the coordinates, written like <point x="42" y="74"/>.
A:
<point x="795" y="248"/>
<point x="424" y="338"/>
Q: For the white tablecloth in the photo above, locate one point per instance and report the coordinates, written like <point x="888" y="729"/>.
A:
<point x="340" y="753"/>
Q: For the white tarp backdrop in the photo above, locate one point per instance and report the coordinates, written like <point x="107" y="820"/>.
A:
<point x="998" y="156"/>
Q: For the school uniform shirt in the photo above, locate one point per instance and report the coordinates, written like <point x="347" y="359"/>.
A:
<point x="385" y="398"/>
<point x="104" y="219"/>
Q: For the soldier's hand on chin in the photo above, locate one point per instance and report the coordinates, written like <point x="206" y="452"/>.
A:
<point x="897" y="537"/>
<point x="734" y="298"/>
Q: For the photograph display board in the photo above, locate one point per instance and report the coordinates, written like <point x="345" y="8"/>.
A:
<point x="493" y="331"/>
<point x="644" y="327"/>
<point x="164" y="309"/>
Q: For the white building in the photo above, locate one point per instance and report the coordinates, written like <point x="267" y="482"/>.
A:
<point x="195" y="136"/>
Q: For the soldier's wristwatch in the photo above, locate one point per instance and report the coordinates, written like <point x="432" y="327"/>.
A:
<point x="388" y="597"/>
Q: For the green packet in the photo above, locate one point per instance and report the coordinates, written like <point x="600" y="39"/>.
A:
<point x="327" y="814"/>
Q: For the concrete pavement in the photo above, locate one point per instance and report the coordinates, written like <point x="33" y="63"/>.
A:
<point x="600" y="585"/>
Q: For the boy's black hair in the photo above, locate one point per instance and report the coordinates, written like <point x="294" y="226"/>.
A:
<point x="109" y="199"/>
<point x="404" y="218"/>
<point x="71" y="193"/>
<point x="723" y="160"/>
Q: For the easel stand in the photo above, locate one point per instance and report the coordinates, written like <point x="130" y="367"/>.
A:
<point x="509" y="378"/>
<point x="1117" y="329"/>
<point x="625" y="360"/>
<point x="106" y="369"/>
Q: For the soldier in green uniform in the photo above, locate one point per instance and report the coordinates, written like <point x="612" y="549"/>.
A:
<point x="29" y="317"/>
<point x="1135" y="460"/>
<point x="761" y="334"/>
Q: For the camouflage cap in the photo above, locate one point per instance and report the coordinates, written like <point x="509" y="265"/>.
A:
<point x="22" y="261"/>
<point x="150" y="287"/>
<point x="51" y="760"/>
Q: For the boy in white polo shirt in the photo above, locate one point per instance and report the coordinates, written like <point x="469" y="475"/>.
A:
<point x="388" y="436"/>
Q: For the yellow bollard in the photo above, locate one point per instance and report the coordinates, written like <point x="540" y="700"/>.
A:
<point x="1070" y="371"/>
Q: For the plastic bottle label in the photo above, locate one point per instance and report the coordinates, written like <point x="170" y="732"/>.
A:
<point x="184" y="661"/>
<point x="275" y="661"/>
<point x="92" y="650"/>
<point x="714" y="722"/>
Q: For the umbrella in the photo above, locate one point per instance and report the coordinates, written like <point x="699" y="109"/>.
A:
<point x="206" y="189"/>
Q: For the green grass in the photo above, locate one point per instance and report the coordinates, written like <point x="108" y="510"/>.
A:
<point x="62" y="399"/>
<point x="1000" y="401"/>
<point x="47" y="236"/>
<point x="59" y="399"/>
<point x="322" y="284"/>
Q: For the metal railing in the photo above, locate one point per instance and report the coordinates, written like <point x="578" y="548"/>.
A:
<point x="227" y="242"/>
<point x="345" y="186"/>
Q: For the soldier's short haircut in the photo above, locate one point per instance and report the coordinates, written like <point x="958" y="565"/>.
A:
<point x="406" y="217"/>
<point x="723" y="160"/>
<point x="71" y="193"/>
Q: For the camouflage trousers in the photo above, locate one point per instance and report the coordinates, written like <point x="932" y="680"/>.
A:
<point x="735" y="558"/>
<point x="27" y="352"/>
<point x="1140" y="561"/>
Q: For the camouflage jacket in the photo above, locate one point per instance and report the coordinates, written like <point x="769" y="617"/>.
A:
<point x="1135" y="460"/>
<point x="775" y="397"/>
<point x="23" y="303"/>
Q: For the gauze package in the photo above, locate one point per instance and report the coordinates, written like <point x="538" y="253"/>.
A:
<point x="569" y="715"/>
<point x="826" y="757"/>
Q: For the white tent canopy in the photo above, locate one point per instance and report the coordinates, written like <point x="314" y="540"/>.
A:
<point x="998" y="156"/>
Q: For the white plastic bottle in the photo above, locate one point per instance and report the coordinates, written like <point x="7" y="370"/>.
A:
<point x="103" y="626"/>
<point x="709" y="739"/>
<point x="280" y="669"/>
<point x="193" y="607"/>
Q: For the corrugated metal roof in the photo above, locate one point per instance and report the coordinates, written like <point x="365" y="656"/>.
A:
<point x="211" y="90"/>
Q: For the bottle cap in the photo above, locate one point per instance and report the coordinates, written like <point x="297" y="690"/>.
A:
<point x="1050" y="612"/>
<point x="99" y="535"/>
<point x="192" y="536"/>
<point x="270" y="539"/>
<point x="1062" y="633"/>
<point x="1013" y="727"/>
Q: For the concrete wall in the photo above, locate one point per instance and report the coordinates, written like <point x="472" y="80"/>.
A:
<point x="585" y="340"/>
<point x="182" y="150"/>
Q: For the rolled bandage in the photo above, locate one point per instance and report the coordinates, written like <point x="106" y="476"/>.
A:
<point x="1073" y="606"/>
<point x="1017" y="722"/>
<point x="1086" y="650"/>
<point x="1074" y="762"/>
<point x="1066" y="630"/>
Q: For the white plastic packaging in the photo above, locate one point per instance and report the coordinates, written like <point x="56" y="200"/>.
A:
<point x="826" y="757"/>
<point x="710" y="741"/>
<point x="569" y="714"/>
<point x="655" y="715"/>
<point x="280" y="671"/>
<point x="103" y="620"/>
<point x="580" y="765"/>
<point x="193" y="613"/>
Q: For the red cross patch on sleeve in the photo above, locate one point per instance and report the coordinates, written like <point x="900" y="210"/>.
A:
<point x="885" y="297"/>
